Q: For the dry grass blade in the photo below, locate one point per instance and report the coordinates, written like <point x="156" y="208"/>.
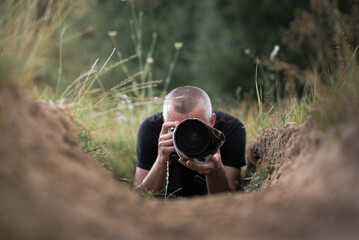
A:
<point x="141" y="86"/>
<point x="98" y="74"/>
<point x="118" y="63"/>
<point x="84" y="83"/>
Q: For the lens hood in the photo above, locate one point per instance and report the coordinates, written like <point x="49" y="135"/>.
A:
<point x="196" y="141"/>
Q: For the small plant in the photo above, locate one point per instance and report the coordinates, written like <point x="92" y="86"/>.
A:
<point x="94" y="149"/>
<point x="259" y="179"/>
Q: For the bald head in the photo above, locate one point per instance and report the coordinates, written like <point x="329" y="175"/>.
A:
<point x="186" y="99"/>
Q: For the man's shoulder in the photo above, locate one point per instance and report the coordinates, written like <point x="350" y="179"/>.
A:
<point x="224" y="120"/>
<point x="233" y="149"/>
<point x="155" y="118"/>
<point x="153" y="122"/>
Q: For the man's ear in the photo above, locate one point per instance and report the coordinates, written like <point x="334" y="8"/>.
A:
<point x="213" y="120"/>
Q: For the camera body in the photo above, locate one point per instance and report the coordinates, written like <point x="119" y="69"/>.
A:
<point x="194" y="140"/>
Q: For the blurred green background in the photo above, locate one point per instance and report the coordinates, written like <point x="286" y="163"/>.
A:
<point x="214" y="33"/>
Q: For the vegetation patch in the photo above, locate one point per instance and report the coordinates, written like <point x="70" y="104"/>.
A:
<point x="258" y="180"/>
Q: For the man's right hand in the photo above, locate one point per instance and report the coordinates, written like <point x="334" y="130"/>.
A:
<point x="165" y="142"/>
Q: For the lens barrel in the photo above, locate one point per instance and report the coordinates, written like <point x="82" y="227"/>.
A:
<point x="196" y="141"/>
<point x="192" y="137"/>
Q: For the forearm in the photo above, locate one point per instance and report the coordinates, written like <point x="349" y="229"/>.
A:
<point x="155" y="179"/>
<point x="218" y="182"/>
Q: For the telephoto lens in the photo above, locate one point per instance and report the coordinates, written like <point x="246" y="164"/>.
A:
<point x="192" y="137"/>
<point x="195" y="140"/>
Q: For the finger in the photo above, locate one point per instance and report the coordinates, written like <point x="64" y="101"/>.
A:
<point x="216" y="154"/>
<point x="216" y="158"/>
<point x="167" y="150"/>
<point x="165" y="143"/>
<point x="182" y="161"/>
<point x="167" y="126"/>
<point x="165" y="137"/>
<point x="200" y="168"/>
<point x="194" y="166"/>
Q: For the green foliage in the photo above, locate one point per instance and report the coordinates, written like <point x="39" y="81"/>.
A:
<point x="94" y="149"/>
<point x="259" y="179"/>
<point x="225" y="29"/>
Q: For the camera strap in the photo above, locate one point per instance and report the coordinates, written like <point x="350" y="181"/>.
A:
<point x="167" y="179"/>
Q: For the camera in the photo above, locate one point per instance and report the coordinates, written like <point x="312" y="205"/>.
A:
<point x="196" y="141"/>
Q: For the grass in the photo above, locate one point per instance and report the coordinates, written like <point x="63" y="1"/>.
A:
<point x="108" y="128"/>
<point x="258" y="180"/>
<point x="28" y="33"/>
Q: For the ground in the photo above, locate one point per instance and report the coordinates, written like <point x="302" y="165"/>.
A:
<point x="50" y="189"/>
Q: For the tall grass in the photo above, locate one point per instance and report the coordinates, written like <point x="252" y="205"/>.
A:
<point x="276" y="102"/>
<point x="28" y="33"/>
<point x="109" y="118"/>
<point x="330" y="83"/>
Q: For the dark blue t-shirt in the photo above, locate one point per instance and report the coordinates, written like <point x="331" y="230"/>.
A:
<point x="188" y="181"/>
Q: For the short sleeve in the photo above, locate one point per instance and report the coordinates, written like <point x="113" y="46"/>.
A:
<point x="146" y="147"/>
<point x="233" y="150"/>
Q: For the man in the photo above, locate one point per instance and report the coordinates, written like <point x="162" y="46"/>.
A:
<point x="155" y="144"/>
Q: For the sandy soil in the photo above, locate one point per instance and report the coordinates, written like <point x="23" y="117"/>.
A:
<point x="50" y="189"/>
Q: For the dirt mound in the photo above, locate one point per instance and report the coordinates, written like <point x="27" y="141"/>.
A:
<point x="280" y="148"/>
<point x="50" y="189"/>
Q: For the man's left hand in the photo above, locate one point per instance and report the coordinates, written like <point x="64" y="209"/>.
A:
<point x="213" y="167"/>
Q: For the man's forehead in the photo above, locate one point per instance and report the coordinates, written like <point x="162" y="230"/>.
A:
<point x="171" y="115"/>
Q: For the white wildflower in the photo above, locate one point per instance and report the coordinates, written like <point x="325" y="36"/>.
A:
<point x="60" y="103"/>
<point x="122" y="95"/>
<point x="274" y="53"/>
<point x="121" y="104"/>
<point x="178" y="45"/>
<point x="247" y="51"/>
<point x="149" y="60"/>
<point x="120" y="117"/>
<point x="112" y="33"/>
